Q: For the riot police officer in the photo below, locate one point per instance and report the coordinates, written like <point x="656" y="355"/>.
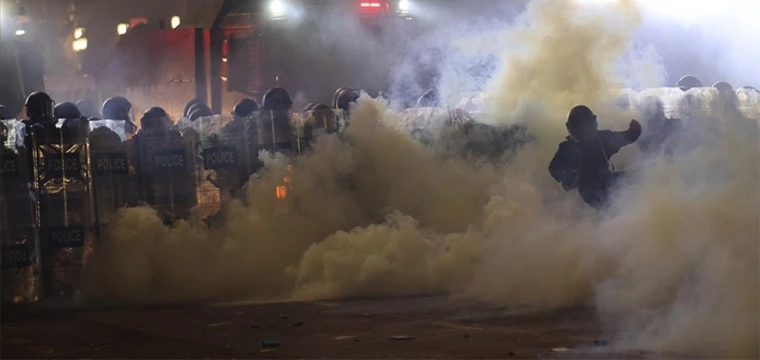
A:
<point x="167" y="167"/>
<point x="275" y="129"/>
<point x="39" y="109"/>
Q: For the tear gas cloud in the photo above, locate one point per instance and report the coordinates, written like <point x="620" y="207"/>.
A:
<point x="673" y="266"/>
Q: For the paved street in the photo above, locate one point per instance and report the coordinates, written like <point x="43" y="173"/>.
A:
<point x="440" y="328"/>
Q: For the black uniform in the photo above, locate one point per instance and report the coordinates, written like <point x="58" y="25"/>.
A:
<point x="585" y="166"/>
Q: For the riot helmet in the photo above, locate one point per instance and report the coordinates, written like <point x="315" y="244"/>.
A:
<point x="723" y="86"/>
<point x="581" y="123"/>
<point x="276" y="98"/>
<point x="117" y="108"/>
<point x="66" y="110"/>
<point x="87" y="108"/>
<point x="307" y="108"/>
<point x="39" y="105"/>
<point x="336" y="94"/>
<point x="155" y="119"/>
<point x="245" y="108"/>
<point x="748" y="88"/>
<point x="199" y="113"/>
<point x="197" y="107"/>
<point x="687" y="82"/>
<point x="345" y="98"/>
<point x="429" y="99"/>
<point x="5" y="113"/>
<point x="186" y="110"/>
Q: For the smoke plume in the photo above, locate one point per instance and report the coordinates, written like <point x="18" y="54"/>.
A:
<point x="672" y="267"/>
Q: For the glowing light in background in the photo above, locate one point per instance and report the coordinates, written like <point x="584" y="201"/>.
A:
<point x="175" y="22"/>
<point x="121" y="29"/>
<point x="78" y="33"/>
<point x="277" y="9"/>
<point x="20" y="32"/>
<point x="79" y="44"/>
<point x="403" y="5"/>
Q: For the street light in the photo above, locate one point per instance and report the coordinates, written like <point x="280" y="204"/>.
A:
<point x="175" y="22"/>
<point x="122" y="28"/>
<point x="78" y="33"/>
<point x="79" y="44"/>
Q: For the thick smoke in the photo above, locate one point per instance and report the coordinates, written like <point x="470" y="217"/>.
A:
<point x="673" y="266"/>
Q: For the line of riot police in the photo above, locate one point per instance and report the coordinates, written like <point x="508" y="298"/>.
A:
<point x="64" y="173"/>
<point x="64" y="176"/>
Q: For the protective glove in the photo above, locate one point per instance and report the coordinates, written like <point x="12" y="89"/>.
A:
<point x="634" y="131"/>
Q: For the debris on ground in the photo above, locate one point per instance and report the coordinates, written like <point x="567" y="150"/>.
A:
<point x="466" y="336"/>
<point x="402" y="337"/>
<point x="560" y="349"/>
<point x="600" y="342"/>
<point x="268" y="350"/>
<point x="255" y="326"/>
<point x="270" y="344"/>
<point x="298" y="324"/>
<point x="344" y="337"/>
<point x="283" y="317"/>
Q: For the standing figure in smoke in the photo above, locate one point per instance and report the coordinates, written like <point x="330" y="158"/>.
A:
<point x="661" y="131"/>
<point x="582" y="161"/>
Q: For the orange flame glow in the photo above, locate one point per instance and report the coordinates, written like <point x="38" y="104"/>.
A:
<point x="281" y="191"/>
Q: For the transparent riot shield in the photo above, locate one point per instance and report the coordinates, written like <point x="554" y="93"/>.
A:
<point x="278" y="131"/>
<point x="167" y="172"/>
<point x="226" y="162"/>
<point x="670" y="97"/>
<point x="318" y="122"/>
<point x="749" y="102"/>
<point x="113" y="170"/>
<point x="18" y="234"/>
<point x="63" y="209"/>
